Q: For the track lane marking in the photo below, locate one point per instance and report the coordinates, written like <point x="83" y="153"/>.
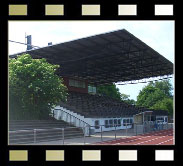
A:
<point x="140" y="137"/>
<point x="123" y="140"/>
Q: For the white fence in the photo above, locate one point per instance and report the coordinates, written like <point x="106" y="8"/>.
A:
<point x="73" y="119"/>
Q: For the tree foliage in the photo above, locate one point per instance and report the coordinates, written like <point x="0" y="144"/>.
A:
<point x="34" y="88"/>
<point x="165" y="104"/>
<point x="109" y="90"/>
<point x="157" y="95"/>
<point x="125" y="98"/>
<point x="112" y="91"/>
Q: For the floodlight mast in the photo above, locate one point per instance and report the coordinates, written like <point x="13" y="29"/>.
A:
<point x="29" y="42"/>
<point x="25" y="37"/>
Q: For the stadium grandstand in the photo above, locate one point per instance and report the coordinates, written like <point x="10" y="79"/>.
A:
<point x="86" y="63"/>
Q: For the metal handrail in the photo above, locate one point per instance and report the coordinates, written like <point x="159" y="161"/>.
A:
<point x="113" y="125"/>
<point x="74" y="117"/>
<point x="36" y="135"/>
<point x="43" y="129"/>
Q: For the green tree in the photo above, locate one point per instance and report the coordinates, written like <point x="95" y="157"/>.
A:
<point x="112" y="91"/>
<point x="157" y="95"/>
<point x="165" y="86"/>
<point x="34" y="88"/>
<point x="125" y="98"/>
<point x="149" y="96"/>
<point x="165" y="104"/>
<point x="109" y="90"/>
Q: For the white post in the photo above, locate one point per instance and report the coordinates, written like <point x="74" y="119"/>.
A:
<point x="34" y="135"/>
<point x="63" y="135"/>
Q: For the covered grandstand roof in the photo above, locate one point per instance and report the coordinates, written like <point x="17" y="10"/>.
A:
<point x="105" y="58"/>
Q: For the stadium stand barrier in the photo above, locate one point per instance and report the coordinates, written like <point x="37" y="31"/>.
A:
<point x="38" y="135"/>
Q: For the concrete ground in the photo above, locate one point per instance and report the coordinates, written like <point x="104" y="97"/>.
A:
<point x="106" y="136"/>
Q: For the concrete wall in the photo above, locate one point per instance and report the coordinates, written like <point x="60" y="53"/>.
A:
<point x="138" y="118"/>
<point x="104" y="128"/>
<point x="61" y="113"/>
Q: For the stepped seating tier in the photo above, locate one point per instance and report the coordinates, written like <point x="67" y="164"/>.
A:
<point x="23" y="131"/>
<point x="98" y="106"/>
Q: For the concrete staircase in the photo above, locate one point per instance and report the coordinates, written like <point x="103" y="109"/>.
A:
<point x="33" y="131"/>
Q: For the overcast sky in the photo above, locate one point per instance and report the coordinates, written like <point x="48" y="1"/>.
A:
<point x="157" y="34"/>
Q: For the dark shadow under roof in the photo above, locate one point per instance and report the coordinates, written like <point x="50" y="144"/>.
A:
<point x="100" y="106"/>
<point x="105" y="58"/>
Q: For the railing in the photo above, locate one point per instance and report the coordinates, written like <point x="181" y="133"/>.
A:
<point x="154" y="126"/>
<point x="72" y="120"/>
<point x="131" y="129"/>
<point x="41" y="135"/>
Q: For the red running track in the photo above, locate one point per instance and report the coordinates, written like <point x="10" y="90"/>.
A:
<point x="163" y="137"/>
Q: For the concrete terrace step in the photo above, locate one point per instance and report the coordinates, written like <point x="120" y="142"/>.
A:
<point x="36" y="122"/>
<point x="45" y="139"/>
<point x="37" y="127"/>
<point x="30" y="139"/>
<point x="28" y="125"/>
<point x="24" y="132"/>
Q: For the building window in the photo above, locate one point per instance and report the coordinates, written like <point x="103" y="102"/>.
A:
<point x="124" y="122"/>
<point x="111" y="123"/>
<point x="81" y="84"/>
<point x="97" y="125"/>
<point x="76" y="83"/>
<point x="119" y="122"/>
<point x="131" y="121"/>
<point x="160" y="119"/>
<point x="127" y="121"/>
<point x="106" y="123"/>
<point x="92" y="89"/>
<point x="153" y="118"/>
<point x="71" y="83"/>
<point x="115" y="122"/>
<point x="149" y="118"/>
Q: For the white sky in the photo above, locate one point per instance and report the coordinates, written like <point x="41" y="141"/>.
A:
<point x="157" y="34"/>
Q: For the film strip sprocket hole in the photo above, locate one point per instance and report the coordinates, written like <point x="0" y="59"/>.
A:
<point x="90" y="155"/>
<point x="91" y="10"/>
